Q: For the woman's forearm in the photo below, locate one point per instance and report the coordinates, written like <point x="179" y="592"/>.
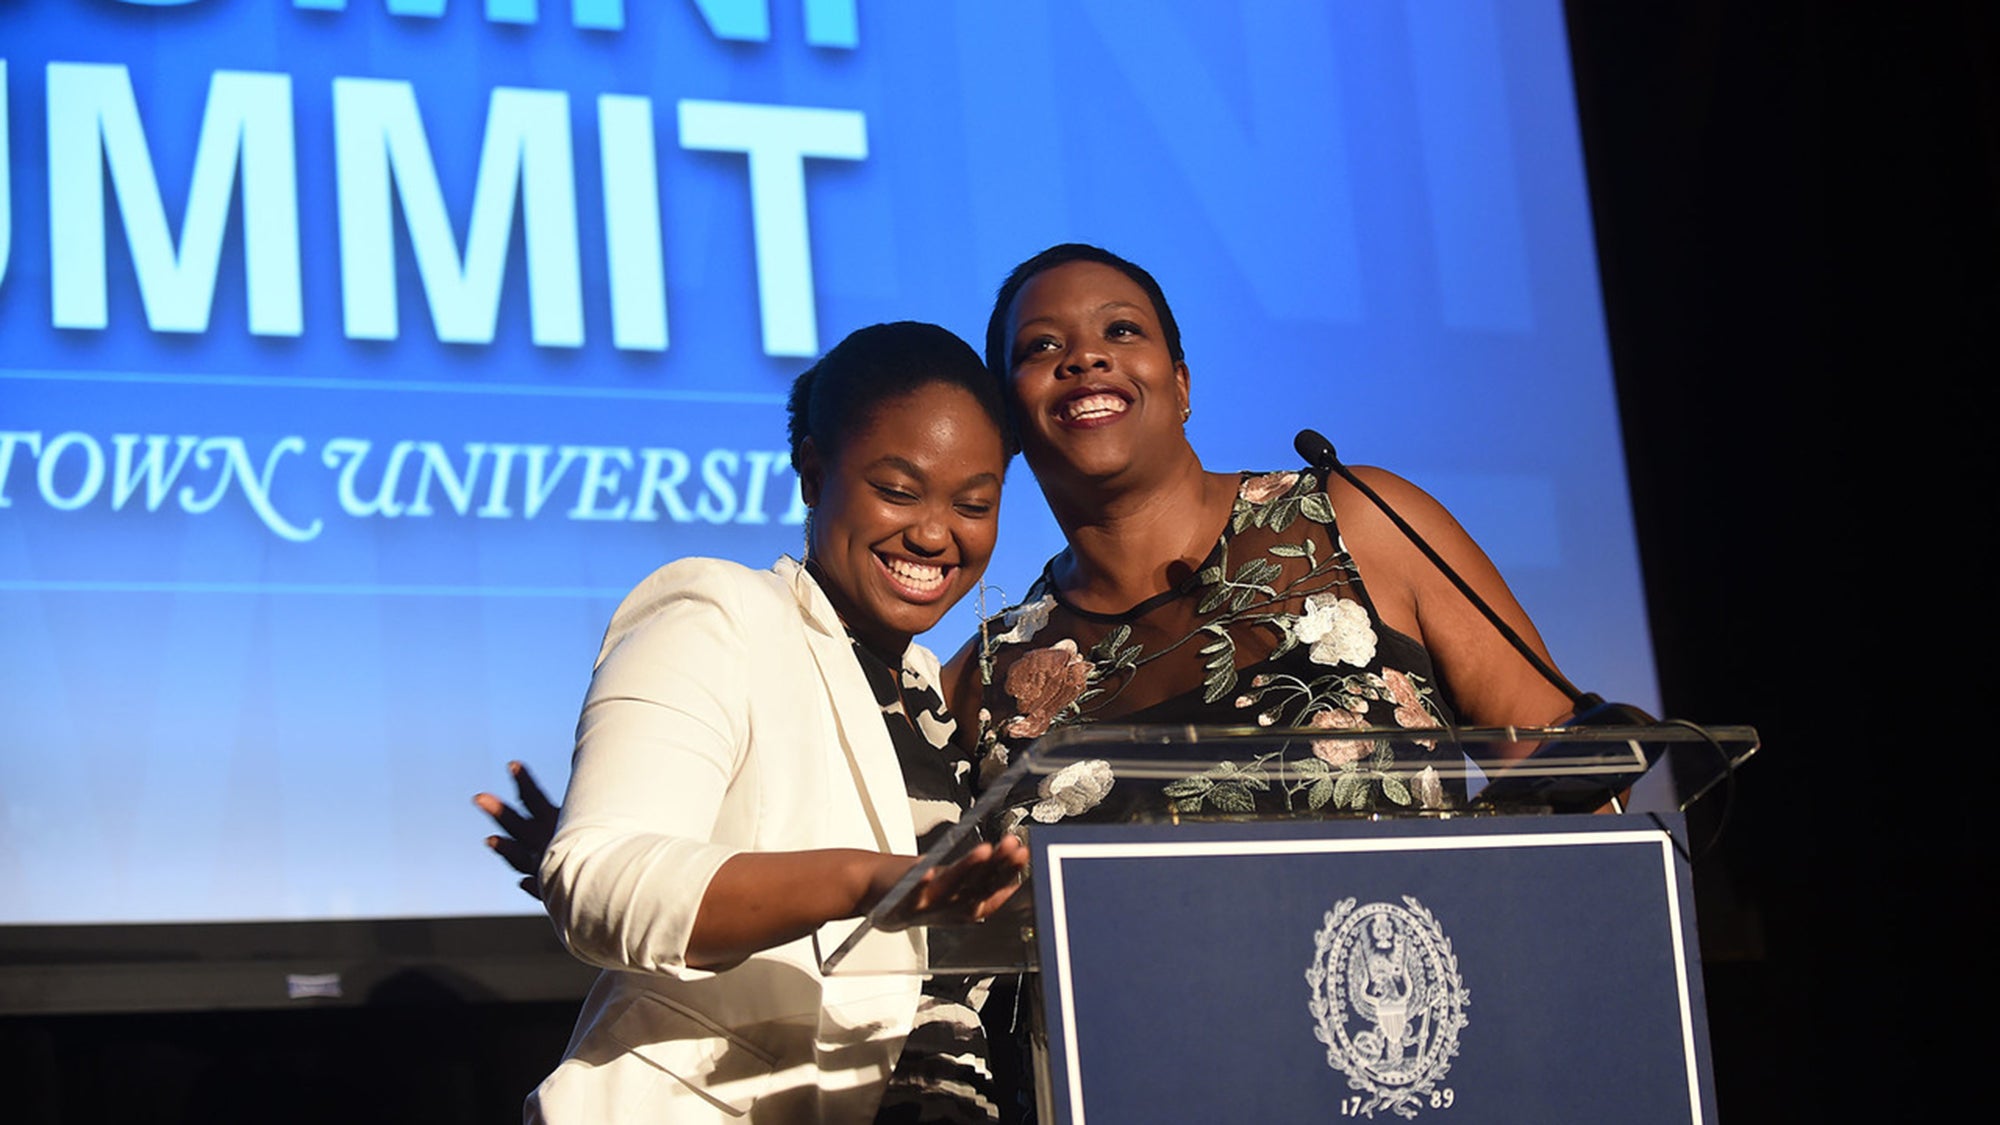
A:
<point x="761" y="899"/>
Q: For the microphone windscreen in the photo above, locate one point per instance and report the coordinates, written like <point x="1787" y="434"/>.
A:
<point x="1317" y="451"/>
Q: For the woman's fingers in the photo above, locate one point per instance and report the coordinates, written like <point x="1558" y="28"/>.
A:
<point x="519" y="856"/>
<point x="978" y="884"/>
<point x="541" y="810"/>
<point x="525" y="835"/>
<point x="524" y="838"/>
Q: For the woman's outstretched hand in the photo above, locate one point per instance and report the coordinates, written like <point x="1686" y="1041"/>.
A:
<point x="525" y="834"/>
<point x="971" y="889"/>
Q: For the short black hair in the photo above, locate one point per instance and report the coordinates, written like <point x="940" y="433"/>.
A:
<point x="836" y="396"/>
<point x="1062" y="254"/>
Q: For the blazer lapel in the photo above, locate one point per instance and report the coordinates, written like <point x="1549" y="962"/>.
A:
<point x="864" y="740"/>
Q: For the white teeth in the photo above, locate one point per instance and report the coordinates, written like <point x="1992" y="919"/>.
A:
<point x="1091" y="407"/>
<point x="921" y="576"/>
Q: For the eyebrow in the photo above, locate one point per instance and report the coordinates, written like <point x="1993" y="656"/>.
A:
<point x="1103" y="308"/>
<point x="891" y="460"/>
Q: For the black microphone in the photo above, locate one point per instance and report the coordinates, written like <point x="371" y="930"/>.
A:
<point x="1587" y="709"/>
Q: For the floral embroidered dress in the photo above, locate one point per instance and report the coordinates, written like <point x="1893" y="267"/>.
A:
<point x="1275" y="628"/>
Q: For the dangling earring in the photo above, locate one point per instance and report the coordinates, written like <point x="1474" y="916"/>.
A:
<point x="806" y="550"/>
<point x="985" y="642"/>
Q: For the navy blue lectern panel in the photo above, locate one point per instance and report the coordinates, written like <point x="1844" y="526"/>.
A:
<point x="1498" y="970"/>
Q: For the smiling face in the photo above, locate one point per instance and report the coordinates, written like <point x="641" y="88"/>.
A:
<point x="1094" y="385"/>
<point x="905" y="512"/>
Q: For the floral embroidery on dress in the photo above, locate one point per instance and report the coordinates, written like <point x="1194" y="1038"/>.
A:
<point x="1339" y="751"/>
<point x="1428" y="789"/>
<point x="1267" y="487"/>
<point x="1073" y="789"/>
<point x="993" y="753"/>
<point x="1274" y="627"/>
<point x="1339" y="631"/>
<point x="1025" y="620"/>
<point x="1414" y="708"/>
<point x="1045" y="683"/>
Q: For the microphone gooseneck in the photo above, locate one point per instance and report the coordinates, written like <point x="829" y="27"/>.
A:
<point x="1586" y="708"/>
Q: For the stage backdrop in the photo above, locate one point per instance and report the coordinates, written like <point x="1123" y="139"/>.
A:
<point x="359" y="354"/>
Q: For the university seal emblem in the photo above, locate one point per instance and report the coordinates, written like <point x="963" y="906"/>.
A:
<point x="1388" y="1003"/>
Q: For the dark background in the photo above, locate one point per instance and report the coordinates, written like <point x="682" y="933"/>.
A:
<point x="1798" y="217"/>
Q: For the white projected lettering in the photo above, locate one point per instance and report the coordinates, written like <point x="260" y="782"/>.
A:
<point x="84" y="490"/>
<point x="664" y="487"/>
<point x="152" y="469"/>
<point x="498" y="481"/>
<point x="599" y="478"/>
<point x="438" y="468"/>
<point x="777" y="139"/>
<point x="411" y="479"/>
<point x="69" y="473"/>
<point x="234" y="457"/>
<point x="761" y="465"/>
<point x="718" y="500"/>
<point x="9" y="442"/>
<point x="348" y="454"/>
<point x="632" y="241"/>
<point x="829" y="23"/>
<point x="94" y="126"/>
<point x="383" y="168"/>
<point x="379" y="136"/>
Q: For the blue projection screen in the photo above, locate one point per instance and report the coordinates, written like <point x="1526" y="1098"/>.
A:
<point x="360" y="354"/>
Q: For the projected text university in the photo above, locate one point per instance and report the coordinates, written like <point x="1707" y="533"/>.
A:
<point x="76" y="471"/>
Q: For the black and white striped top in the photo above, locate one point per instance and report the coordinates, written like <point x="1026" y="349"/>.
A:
<point x="944" y="1073"/>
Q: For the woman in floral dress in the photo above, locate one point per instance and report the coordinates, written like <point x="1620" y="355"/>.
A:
<point x="1191" y="596"/>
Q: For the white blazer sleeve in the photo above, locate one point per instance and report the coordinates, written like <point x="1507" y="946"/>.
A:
<point x="662" y="734"/>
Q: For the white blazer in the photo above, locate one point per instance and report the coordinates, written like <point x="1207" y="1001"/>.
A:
<point x="727" y="714"/>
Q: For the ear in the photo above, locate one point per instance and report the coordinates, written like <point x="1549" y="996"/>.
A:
<point x="1181" y="378"/>
<point x="811" y="472"/>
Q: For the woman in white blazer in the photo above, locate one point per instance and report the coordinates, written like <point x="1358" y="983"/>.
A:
<point x="735" y="793"/>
